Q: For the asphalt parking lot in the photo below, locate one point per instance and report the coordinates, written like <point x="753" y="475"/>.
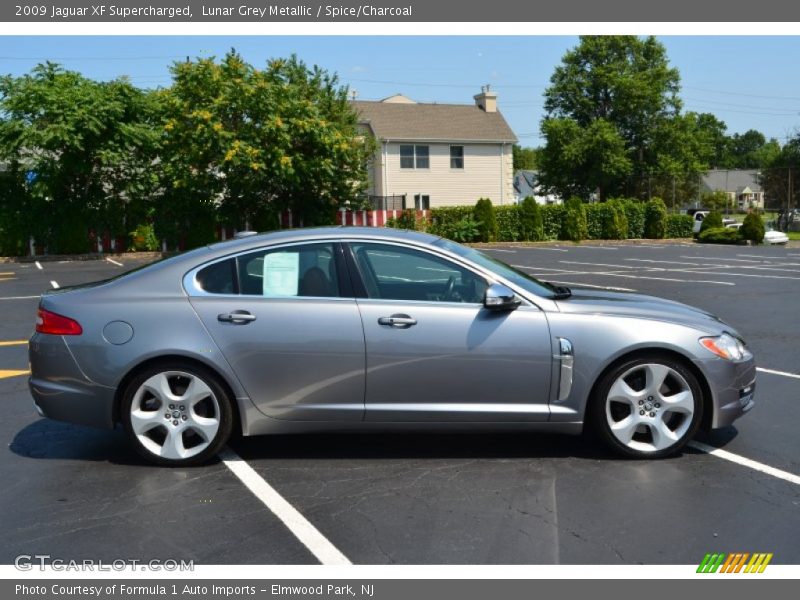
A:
<point x="76" y="493"/>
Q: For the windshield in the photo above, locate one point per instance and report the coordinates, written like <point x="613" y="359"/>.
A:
<point x="515" y="276"/>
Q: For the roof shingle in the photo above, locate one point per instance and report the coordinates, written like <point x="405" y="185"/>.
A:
<point x="433" y="122"/>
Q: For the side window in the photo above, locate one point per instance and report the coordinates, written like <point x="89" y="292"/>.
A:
<point x="308" y="270"/>
<point x="219" y="278"/>
<point x="398" y="273"/>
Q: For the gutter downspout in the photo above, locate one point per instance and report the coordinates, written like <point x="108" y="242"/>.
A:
<point x="502" y="172"/>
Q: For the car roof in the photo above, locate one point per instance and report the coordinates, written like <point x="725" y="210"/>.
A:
<point x="317" y="233"/>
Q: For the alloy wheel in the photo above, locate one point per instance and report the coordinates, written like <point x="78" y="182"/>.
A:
<point x="175" y="415"/>
<point x="650" y="407"/>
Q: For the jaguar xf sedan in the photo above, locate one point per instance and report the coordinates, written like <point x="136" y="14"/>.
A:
<point x="364" y="329"/>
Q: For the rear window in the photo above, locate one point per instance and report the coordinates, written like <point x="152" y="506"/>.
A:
<point x="219" y="278"/>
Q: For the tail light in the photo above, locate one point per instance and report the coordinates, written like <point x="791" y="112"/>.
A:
<point x="54" y="324"/>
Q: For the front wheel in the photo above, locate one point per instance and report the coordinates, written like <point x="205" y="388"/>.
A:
<point x="647" y="407"/>
<point x="176" y="414"/>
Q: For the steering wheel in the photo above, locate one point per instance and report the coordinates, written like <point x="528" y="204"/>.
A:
<point x="448" y="289"/>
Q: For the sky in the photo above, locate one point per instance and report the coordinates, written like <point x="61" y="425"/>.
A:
<point x="748" y="82"/>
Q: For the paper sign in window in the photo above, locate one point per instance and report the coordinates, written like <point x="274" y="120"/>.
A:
<point x="281" y="274"/>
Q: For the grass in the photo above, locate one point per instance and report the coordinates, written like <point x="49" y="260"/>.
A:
<point x="794" y="235"/>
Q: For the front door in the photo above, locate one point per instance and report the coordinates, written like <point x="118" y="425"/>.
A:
<point x="288" y="324"/>
<point x="435" y="354"/>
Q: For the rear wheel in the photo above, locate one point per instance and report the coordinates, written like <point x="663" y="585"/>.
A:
<point x="648" y="407"/>
<point x="177" y="414"/>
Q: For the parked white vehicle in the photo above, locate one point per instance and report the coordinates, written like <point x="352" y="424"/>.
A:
<point x="775" y="237"/>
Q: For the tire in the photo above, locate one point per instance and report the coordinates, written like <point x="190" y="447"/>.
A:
<point x="647" y="407"/>
<point x="176" y="414"/>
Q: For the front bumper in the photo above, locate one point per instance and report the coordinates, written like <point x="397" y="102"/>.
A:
<point x="732" y="386"/>
<point x="60" y="389"/>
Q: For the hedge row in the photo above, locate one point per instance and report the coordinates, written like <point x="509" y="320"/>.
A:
<point x="617" y="219"/>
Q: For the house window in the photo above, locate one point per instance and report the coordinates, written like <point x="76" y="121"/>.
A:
<point x="406" y="156"/>
<point x="422" y="201"/>
<point x="414" y="157"/>
<point x="456" y="157"/>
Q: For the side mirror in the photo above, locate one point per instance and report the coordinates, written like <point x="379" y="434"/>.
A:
<point x="499" y="297"/>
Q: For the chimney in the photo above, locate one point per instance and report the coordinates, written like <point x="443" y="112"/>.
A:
<point x="487" y="99"/>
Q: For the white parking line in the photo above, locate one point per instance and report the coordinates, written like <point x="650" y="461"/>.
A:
<point x="589" y="285"/>
<point x="490" y="249"/>
<point x="746" y="462"/>
<point x="575" y="262"/>
<point x="781" y="373"/>
<point x="38" y="265"/>
<point x="19" y="297"/>
<point x="599" y="247"/>
<point x="54" y="284"/>
<point x="303" y="530"/>
<point x="761" y="256"/>
<point x="540" y="248"/>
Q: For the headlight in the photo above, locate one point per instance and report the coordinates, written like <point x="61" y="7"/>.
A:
<point x="726" y="346"/>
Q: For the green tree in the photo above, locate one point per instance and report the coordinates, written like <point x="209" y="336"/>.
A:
<point x="524" y="158"/>
<point x="752" y="229"/>
<point x="251" y="142"/>
<point x="79" y="152"/>
<point x="574" y="226"/>
<point x="486" y="221"/>
<point x="613" y="124"/>
<point x="713" y="220"/>
<point x="655" y="219"/>
<point x="531" y="222"/>
<point x="718" y="200"/>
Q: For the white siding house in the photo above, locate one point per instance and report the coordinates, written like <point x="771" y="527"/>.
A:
<point x="439" y="154"/>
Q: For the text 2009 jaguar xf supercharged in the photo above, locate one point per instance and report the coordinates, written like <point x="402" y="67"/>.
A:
<point x="348" y="329"/>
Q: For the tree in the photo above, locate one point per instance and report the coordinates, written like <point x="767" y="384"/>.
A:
<point x="717" y="201"/>
<point x="524" y="159"/>
<point x="613" y="123"/>
<point x="251" y="142"/>
<point x="78" y="152"/>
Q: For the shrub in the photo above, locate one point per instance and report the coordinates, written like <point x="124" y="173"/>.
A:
<point x="655" y="219"/>
<point x="718" y="235"/>
<point x="679" y="226"/>
<point x="406" y="220"/>
<point x="483" y="213"/>
<point x="509" y="225"/>
<point x="713" y="220"/>
<point x="465" y="231"/>
<point x="752" y="229"/>
<point x="634" y="213"/>
<point x="143" y="238"/>
<point x="443" y="220"/>
<point x="552" y="219"/>
<point x="531" y="222"/>
<point x="574" y="227"/>
<point x="606" y="221"/>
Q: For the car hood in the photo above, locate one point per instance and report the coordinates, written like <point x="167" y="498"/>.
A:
<point x="601" y="302"/>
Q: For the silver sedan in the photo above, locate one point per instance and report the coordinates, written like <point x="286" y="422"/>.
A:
<point x="349" y="329"/>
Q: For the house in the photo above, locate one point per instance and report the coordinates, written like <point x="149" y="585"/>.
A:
<point x="743" y="187"/>
<point x="431" y="155"/>
<point x="526" y="184"/>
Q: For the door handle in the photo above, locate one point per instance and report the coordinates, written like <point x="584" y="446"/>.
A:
<point x="399" y="321"/>
<point x="241" y="317"/>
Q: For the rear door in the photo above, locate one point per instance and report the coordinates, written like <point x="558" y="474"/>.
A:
<point x="434" y="353"/>
<point x="287" y="322"/>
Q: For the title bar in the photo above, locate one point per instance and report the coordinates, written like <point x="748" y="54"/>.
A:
<point x="253" y="11"/>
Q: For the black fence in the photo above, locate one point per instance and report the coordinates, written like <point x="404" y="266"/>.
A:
<point x="393" y="202"/>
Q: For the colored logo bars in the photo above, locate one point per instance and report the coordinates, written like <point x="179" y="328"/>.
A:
<point x="735" y="563"/>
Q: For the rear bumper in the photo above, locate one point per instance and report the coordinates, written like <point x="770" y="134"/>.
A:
<point x="732" y="388"/>
<point x="60" y="389"/>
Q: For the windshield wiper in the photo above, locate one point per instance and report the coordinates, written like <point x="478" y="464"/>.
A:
<point x="561" y="292"/>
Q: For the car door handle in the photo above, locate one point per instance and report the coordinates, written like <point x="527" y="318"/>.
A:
<point x="399" y="321"/>
<point x="241" y="317"/>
